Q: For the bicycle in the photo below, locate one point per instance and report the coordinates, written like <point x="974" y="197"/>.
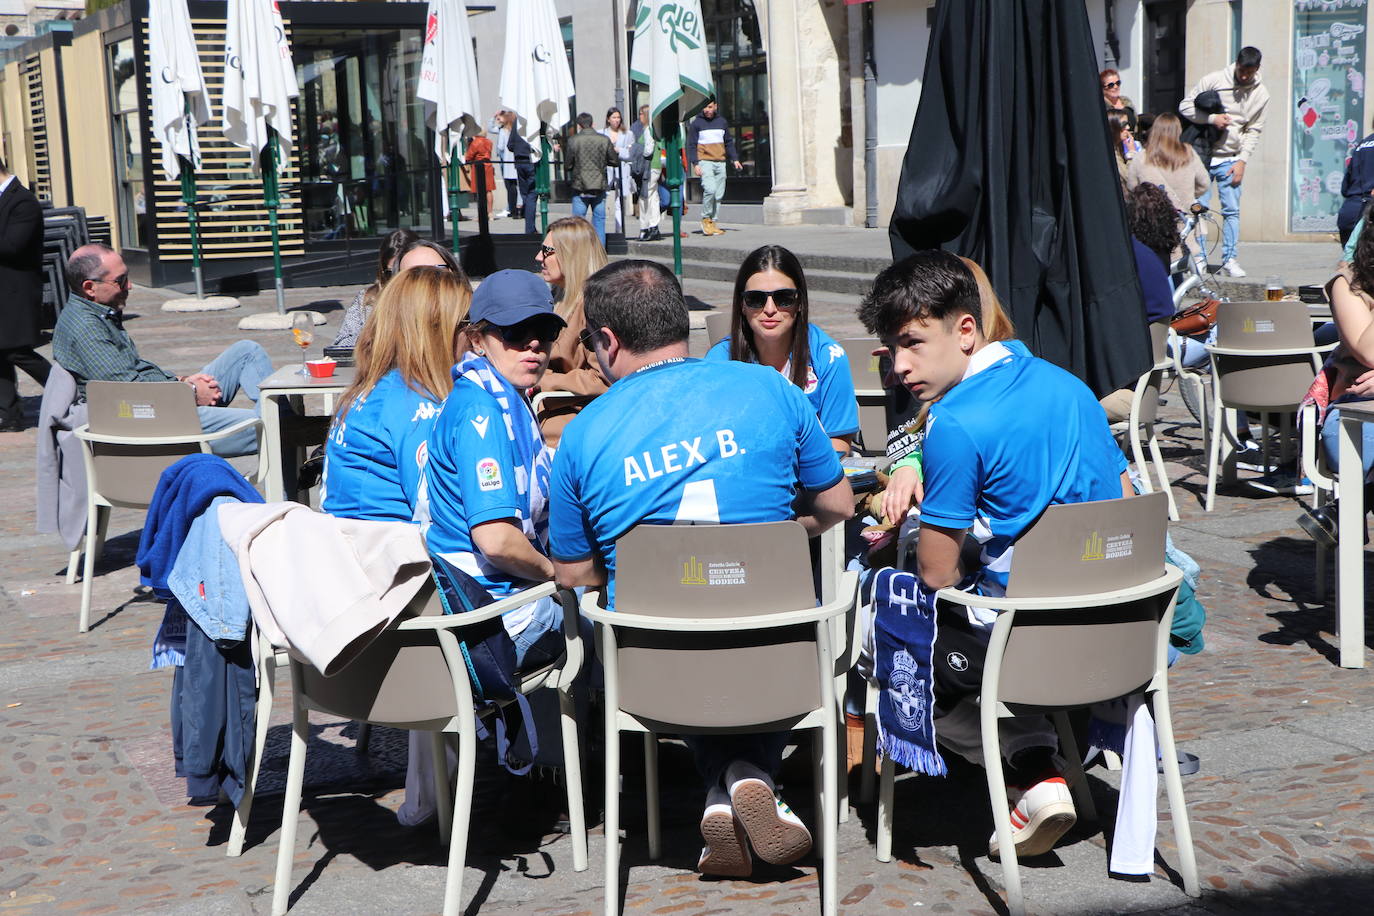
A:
<point x="1196" y="282"/>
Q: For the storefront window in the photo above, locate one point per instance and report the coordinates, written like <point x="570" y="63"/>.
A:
<point x="131" y="195"/>
<point x="365" y="160"/>
<point x="735" y="45"/>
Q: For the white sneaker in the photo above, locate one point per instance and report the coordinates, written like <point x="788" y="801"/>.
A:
<point x="726" y="853"/>
<point x="1040" y="815"/>
<point x="1233" y="268"/>
<point x="502" y="214"/>
<point x="777" y="835"/>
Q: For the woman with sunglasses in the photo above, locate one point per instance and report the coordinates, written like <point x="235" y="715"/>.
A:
<point x="570" y="254"/>
<point x="1112" y="98"/>
<point x="400" y="250"/>
<point x="768" y="325"/>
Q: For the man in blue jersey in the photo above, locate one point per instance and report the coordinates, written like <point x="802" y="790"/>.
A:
<point x="1007" y="435"/>
<point x="734" y="442"/>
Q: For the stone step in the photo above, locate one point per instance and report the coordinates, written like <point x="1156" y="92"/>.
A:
<point x="721" y="250"/>
<point x="828" y="216"/>
<point x="837" y="286"/>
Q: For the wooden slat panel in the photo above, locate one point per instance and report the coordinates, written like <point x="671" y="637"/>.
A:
<point x="32" y="69"/>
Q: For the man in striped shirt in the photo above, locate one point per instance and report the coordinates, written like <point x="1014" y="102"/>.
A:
<point x="709" y="145"/>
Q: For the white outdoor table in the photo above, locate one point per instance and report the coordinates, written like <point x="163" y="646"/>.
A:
<point x="285" y="383"/>
<point x="1350" y="525"/>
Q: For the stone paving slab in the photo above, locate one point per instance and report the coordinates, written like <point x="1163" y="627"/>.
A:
<point x="92" y="821"/>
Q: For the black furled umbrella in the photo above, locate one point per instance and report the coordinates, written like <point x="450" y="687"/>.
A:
<point x="1009" y="164"/>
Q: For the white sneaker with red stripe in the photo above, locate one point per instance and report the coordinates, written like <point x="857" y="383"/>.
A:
<point x="1040" y="815"/>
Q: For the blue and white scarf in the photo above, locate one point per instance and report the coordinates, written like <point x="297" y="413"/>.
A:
<point x="904" y="643"/>
<point x="533" y="457"/>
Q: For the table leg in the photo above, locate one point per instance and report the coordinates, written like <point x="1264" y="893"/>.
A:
<point x="1350" y="552"/>
<point x="271" y="456"/>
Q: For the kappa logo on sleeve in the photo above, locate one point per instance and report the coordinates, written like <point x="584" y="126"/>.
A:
<point x="488" y="474"/>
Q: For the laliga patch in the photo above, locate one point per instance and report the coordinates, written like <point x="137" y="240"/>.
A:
<point x="488" y="474"/>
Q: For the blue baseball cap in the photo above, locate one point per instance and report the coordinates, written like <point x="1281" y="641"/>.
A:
<point x="508" y="297"/>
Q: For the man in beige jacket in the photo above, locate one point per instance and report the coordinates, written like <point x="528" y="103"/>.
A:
<point x="1243" y="100"/>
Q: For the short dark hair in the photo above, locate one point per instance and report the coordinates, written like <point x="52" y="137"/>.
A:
<point x="1249" y="56"/>
<point x="584" y="121"/>
<point x="641" y="301"/>
<point x="85" y="262"/>
<point x="926" y="285"/>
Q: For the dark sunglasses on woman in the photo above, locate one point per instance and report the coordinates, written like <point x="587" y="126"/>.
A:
<point x="782" y="298"/>
<point x="540" y="327"/>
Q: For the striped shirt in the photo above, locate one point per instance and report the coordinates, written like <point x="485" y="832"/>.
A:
<point x="710" y="141"/>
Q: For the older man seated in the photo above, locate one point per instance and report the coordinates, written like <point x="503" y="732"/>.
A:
<point x="90" y="342"/>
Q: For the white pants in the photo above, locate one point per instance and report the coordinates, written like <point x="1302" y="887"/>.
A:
<point x="650" y="215"/>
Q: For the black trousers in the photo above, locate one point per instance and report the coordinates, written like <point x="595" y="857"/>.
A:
<point x="18" y="358"/>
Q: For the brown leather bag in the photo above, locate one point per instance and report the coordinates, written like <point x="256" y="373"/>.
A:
<point x="1196" y="319"/>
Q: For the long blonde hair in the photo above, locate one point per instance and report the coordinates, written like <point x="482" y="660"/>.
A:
<point x="580" y="254"/>
<point x="415" y="327"/>
<point x="1164" y="149"/>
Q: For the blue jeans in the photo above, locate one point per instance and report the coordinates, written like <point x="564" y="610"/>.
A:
<point x="595" y="201"/>
<point x="239" y="368"/>
<point x="540" y="643"/>
<point x="714" y="753"/>
<point x="1331" y="440"/>
<point x="1230" y="207"/>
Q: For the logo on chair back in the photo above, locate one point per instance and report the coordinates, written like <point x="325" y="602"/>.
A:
<point x="693" y="572"/>
<point x="1114" y="547"/>
<point x="127" y="411"/>
<point x="1094" y="548"/>
<point x="1262" y="326"/>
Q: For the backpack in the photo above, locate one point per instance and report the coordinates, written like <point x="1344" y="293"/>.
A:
<point x="489" y="654"/>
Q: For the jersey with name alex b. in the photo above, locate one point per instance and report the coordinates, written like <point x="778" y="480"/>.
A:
<point x="375" y="453"/>
<point x="684" y="441"/>
<point x="829" y="386"/>
<point x="1016" y="435"/>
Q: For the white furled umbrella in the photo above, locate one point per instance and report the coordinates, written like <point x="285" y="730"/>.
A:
<point x="180" y="100"/>
<point x="448" y="76"/>
<point x="670" y="56"/>
<point x="259" y="78"/>
<point x="535" y="80"/>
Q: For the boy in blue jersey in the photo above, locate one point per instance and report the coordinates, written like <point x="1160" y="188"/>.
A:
<point x="1007" y="435"/>
<point x="676" y="440"/>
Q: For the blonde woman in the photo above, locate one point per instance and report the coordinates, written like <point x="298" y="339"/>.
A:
<point x="1170" y="163"/>
<point x="570" y="254"/>
<point x="404" y="355"/>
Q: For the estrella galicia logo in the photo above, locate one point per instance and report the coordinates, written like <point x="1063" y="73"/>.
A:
<point x="1094" y="548"/>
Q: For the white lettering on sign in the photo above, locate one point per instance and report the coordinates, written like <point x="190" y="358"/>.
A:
<point x="725" y="572"/>
<point x="144" y="412"/>
<point x="1118" y="546"/>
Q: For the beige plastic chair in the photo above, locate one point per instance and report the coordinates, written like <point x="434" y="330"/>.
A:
<point x="868" y="390"/>
<point x="1088" y="588"/>
<point x="1263" y="362"/>
<point x="135" y="431"/>
<point x="414" y="676"/>
<point x="1324" y="480"/>
<point x="717" y="327"/>
<point x="1139" y="427"/>
<point x="716" y="629"/>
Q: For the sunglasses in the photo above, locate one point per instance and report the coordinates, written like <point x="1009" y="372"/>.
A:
<point x="588" y="339"/>
<point x="519" y="335"/>
<point x="782" y="298"/>
<point x="1111" y="85"/>
<point x="547" y="251"/>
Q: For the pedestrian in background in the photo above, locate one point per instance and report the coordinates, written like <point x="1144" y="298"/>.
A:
<point x="21" y="295"/>
<point x="709" y="146"/>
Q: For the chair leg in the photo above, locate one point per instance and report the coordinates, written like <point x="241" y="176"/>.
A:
<point x="1173" y="784"/>
<point x="364" y="737"/>
<point x="611" y="820"/>
<point x="870" y="754"/>
<point x="291" y="805"/>
<point x="1001" y="813"/>
<point x="885" y="790"/>
<point x="1082" y="797"/>
<point x="830" y="826"/>
<point x="267" y="668"/>
<point x="73" y="560"/>
<point x="1158" y="458"/>
<point x="443" y="795"/>
<point x="651" y="799"/>
<point x="92" y="523"/>
<point x="1138" y="456"/>
<point x="842" y="749"/>
<point x="460" y="814"/>
<point x="1214" y="454"/>
<point x="572" y="766"/>
<point x="102" y="527"/>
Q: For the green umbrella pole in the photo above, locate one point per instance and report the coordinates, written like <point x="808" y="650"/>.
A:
<point x="670" y="124"/>
<point x="453" y="197"/>
<point x="544" y="175"/>
<point x="271" y="199"/>
<point x="188" y="197"/>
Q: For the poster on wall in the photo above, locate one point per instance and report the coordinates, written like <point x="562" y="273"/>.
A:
<point x="1327" y="106"/>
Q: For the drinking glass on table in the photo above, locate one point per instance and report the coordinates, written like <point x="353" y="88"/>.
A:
<point x="1273" y="289"/>
<point x="303" y="331"/>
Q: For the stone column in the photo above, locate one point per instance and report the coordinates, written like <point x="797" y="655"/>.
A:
<point x="784" y="205"/>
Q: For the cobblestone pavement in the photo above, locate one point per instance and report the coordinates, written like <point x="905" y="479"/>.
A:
<point x="92" y="820"/>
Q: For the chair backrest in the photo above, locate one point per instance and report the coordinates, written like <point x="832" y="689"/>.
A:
<point x="127" y="474"/>
<point x="717" y="679"/>
<point x="1069" y="657"/>
<point x="1263" y="382"/>
<point x="865" y="372"/>
<point x="1263" y="325"/>
<point x="717" y="327"/>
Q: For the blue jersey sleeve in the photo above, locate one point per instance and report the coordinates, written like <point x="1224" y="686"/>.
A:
<point x="952" y="467"/>
<point x="818" y="463"/>
<point x="570" y="530"/>
<point x="837" y="408"/>
<point x="472" y="461"/>
<point x="720" y="351"/>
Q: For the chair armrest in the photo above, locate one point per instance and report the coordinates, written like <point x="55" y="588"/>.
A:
<point x="1281" y="351"/>
<point x="83" y="432"/>
<point x="543" y="396"/>
<point x="869" y="393"/>
<point x="847" y="593"/>
<point x="481" y="614"/>
<point x="1307" y="429"/>
<point x="1172" y="576"/>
